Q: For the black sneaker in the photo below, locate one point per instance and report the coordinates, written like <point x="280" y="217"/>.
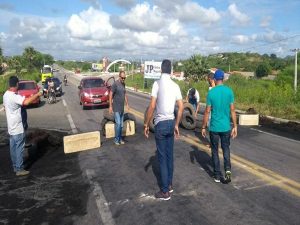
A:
<point x="228" y="176"/>
<point x="163" y="196"/>
<point x="217" y="179"/>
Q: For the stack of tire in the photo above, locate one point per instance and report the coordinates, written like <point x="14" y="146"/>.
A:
<point x="188" y="120"/>
<point x="110" y="119"/>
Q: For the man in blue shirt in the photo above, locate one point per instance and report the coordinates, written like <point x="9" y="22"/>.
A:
<point x="220" y="102"/>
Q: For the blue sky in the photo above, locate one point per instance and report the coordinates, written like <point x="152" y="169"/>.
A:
<point x="92" y="29"/>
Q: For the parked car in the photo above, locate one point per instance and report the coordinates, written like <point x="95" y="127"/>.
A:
<point x="57" y="86"/>
<point x="94" y="91"/>
<point x="28" y="88"/>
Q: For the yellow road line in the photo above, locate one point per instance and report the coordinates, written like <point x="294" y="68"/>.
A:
<point x="267" y="175"/>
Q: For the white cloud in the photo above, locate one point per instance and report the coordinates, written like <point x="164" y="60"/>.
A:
<point x="143" y="18"/>
<point x="94" y="3"/>
<point x="240" y="18"/>
<point x="124" y="3"/>
<point x="149" y="38"/>
<point x="193" y="12"/>
<point x="265" y="22"/>
<point x="240" y="39"/>
<point x="90" y="24"/>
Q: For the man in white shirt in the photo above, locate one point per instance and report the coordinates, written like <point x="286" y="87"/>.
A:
<point x="12" y="103"/>
<point x="165" y="94"/>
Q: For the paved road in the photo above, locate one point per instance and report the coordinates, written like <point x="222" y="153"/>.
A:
<point x="266" y="173"/>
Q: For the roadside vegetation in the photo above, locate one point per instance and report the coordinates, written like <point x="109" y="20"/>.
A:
<point x="75" y="65"/>
<point x="26" y="66"/>
<point x="268" y="97"/>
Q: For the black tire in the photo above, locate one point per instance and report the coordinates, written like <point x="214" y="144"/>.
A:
<point x="188" y="107"/>
<point x="188" y="121"/>
<point x="151" y="123"/>
<point x="129" y="116"/>
<point x="108" y="116"/>
<point x="102" y="126"/>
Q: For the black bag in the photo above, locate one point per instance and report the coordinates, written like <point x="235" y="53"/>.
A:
<point x="192" y="93"/>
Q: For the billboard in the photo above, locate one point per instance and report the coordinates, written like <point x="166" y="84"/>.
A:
<point x="152" y="70"/>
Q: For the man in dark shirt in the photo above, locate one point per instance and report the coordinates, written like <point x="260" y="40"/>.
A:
<point x="117" y="98"/>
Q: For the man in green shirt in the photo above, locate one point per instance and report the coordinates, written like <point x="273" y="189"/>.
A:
<point x="220" y="102"/>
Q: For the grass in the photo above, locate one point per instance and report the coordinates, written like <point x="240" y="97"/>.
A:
<point x="265" y="96"/>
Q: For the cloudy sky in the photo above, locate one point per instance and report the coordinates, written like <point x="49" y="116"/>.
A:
<point x="133" y="29"/>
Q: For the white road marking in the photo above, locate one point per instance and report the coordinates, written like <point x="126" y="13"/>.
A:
<point x="102" y="205"/>
<point x="274" y="135"/>
<point x="73" y="127"/>
<point x="64" y="103"/>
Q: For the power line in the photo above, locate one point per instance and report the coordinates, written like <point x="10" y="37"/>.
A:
<point x="271" y="43"/>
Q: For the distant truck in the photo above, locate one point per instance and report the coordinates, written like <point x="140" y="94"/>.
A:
<point x="46" y="72"/>
<point x="97" y="67"/>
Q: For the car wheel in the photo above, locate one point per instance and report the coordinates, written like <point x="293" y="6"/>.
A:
<point x="83" y="107"/>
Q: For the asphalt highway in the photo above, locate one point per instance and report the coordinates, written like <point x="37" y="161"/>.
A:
<point x="122" y="180"/>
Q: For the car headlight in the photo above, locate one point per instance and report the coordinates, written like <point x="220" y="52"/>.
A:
<point x="86" y="94"/>
<point x="106" y="93"/>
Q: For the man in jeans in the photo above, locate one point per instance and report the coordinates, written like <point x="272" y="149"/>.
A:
<point x="12" y="104"/>
<point x="220" y="102"/>
<point x="117" y="97"/>
<point x="165" y="94"/>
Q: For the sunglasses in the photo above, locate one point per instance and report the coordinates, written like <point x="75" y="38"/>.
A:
<point x="123" y="78"/>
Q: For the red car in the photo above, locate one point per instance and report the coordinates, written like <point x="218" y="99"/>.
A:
<point x="28" y="88"/>
<point x="93" y="91"/>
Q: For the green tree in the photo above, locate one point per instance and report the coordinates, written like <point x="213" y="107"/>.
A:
<point x="262" y="70"/>
<point x="15" y="62"/>
<point x="29" y="55"/>
<point x="195" y="68"/>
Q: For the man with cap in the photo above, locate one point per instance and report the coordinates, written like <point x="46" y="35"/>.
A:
<point x="165" y="95"/>
<point x="13" y="103"/>
<point x="220" y="102"/>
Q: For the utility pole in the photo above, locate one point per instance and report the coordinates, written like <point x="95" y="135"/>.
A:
<point x="296" y="50"/>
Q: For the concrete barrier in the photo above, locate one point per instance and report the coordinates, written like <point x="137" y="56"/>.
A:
<point x="128" y="129"/>
<point x="249" y="120"/>
<point x="82" y="142"/>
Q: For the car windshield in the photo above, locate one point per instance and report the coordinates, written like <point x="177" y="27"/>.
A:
<point x="26" y="86"/>
<point x="92" y="83"/>
<point x="46" y="70"/>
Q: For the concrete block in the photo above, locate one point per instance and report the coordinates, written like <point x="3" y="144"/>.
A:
<point x="82" y="142"/>
<point x="249" y="120"/>
<point x="128" y="129"/>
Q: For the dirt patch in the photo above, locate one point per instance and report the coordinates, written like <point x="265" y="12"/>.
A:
<point x="289" y="129"/>
<point x="55" y="192"/>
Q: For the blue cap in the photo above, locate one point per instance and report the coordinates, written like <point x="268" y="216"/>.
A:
<point x="219" y="75"/>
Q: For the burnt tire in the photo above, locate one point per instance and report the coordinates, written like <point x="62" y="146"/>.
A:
<point x="188" y="121"/>
<point x="151" y="123"/>
<point x="188" y="107"/>
<point x="108" y="116"/>
<point x="129" y="116"/>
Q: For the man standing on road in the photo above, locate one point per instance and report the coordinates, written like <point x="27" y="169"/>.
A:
<point x="12" y="103"/>
<point x="220" y="102"/>
<point x="165" y="94"/>
<point x="117" y="97"/>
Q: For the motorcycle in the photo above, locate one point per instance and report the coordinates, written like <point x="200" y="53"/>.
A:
<point x="65" y="81"/>
<point x="51" y="96"/>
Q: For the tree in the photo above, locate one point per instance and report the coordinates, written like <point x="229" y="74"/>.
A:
<point x="195" y="68"/>
<point x="15" y="62"/>
<point x="262" y="70"/>
<point x="28" y="55"/>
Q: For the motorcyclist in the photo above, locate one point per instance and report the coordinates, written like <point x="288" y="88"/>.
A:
<point x="65" y="79"/>
<point x="50" y="84"/>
